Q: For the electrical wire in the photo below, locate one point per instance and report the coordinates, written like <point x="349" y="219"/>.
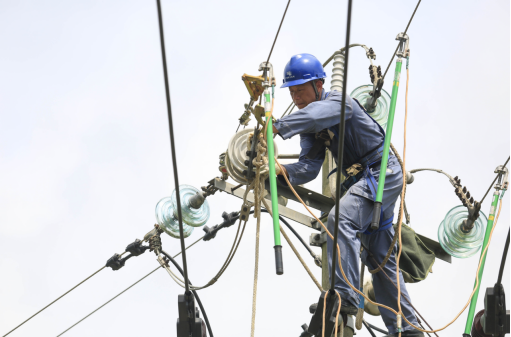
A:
<point x="408" y="25"/>
<point x="375" y="328"/>
<point x="172" y="145"/>
<point x="503" y="261"/>
<point x="113" y="298"/>
<point x="178" y="267"/>
<point x="122" y="292"/>
<point x="58" y="298"/>
<point x="369" y="328"/>
<point x="494" y="180"/>
<point x="451" y="179"/>
<point x="278" y="31"/>
<point x="340" y="146"/>
<point x="292" y="230"/>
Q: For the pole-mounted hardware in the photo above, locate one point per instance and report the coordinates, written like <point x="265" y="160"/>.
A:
<point x="403" y="51"/>
<point x="221" y="167"/>
<point x="495" y="320"/>
<point x="255" y="88"/>
<point x="189" y="323"/>
<point x="252" y="153"/>
<point x="473" y="207"/>
<point x="315" y="327"/>
<point x="197" y="200"/>
<point x="135" y="249"/>
<point x="377" y="80"/>
<point x="154" y="239"/>
<point x="502" y="184"/>
<point x="229" y="220"/>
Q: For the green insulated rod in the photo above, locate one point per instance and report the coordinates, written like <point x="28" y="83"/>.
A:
<point x="489" y="226"/>
<point x="375" y="223"/>
<point x="273" y="184"/>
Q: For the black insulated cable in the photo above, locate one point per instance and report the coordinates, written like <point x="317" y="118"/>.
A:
<point x="341" y="147"/>
<point x="369" y="328"/>
<point x="408" y="25"/>
<point x="278" y="31"/>
<point x="503" y="261"/>
<point x="294" y="232"/>
<point x="367" y="324"/>
<point x="172" y="146"/>
<point x="178" y="267"/>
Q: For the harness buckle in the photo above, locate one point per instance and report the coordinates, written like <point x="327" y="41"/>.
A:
<point x="354" y="169"/>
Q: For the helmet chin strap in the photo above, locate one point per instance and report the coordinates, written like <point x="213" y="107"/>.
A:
<point x="315" y="89"/>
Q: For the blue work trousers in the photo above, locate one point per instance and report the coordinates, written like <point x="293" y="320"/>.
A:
<point x="355" y="214"/>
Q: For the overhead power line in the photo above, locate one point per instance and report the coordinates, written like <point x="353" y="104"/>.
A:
<point x="113" y="298"/>
<point x="278" y="31"/>
<point x="172" y="146"/>
<point x="340" y="146"/>
<point x="67" y="292"/>
<point x="408" y="25"/>
<point x="122" y="292"/>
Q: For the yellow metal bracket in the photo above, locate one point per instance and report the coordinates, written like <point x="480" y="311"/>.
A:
<point x="254" y="85"/>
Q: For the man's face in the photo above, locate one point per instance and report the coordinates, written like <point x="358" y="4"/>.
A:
<point x="303" y="94"/>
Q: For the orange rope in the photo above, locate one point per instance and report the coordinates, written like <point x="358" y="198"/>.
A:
<point x="379" y="304"/>
<point x="400" y="312"/>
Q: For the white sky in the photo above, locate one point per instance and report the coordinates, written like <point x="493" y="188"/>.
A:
<point x="85" y="155"/>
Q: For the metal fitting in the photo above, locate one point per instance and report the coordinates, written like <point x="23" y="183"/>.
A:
<point x="403" y="48"/>
<point x="502" y="180"/>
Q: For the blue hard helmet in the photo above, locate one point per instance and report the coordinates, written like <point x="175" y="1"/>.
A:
<point x="302" y="68"/>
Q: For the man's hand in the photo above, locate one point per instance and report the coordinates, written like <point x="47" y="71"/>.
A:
<point x="278" y="171"/>
<point x="275" y="131"/>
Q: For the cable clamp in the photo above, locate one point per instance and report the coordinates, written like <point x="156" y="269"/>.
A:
<point x="245" y="210"/>
<point x="229" y="220"/>
<point x="502" y="181"/>
<point x="403" y="49"/>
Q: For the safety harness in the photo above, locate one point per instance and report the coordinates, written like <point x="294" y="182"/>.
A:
<point x="355" y="172"/>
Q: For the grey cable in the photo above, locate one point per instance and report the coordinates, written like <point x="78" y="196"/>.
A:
<point x="113" y="298"/>
<point x="67" y="292"/>
<point x="451" y="179"/>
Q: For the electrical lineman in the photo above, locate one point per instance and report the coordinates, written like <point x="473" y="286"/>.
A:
<point x="317" y="123"/>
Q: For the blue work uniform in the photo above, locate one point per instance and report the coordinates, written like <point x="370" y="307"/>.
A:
<point x="363" y="138"/>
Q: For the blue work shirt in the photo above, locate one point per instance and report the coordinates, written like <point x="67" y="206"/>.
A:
<point x="362" y="134"/>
